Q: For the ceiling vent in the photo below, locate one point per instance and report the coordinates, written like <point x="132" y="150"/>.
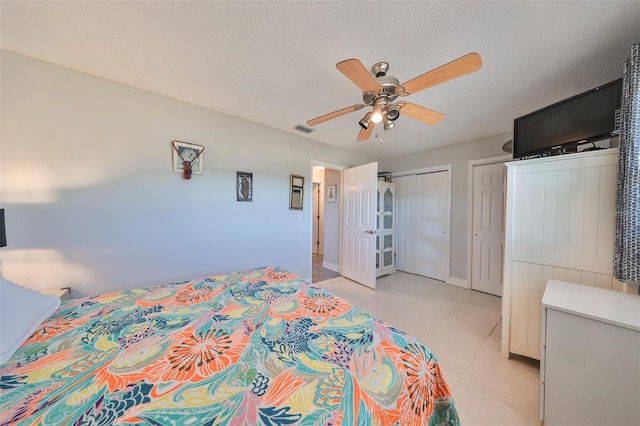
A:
<point x="304" y="129"/>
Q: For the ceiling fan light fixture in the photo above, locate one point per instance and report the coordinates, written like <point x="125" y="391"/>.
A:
<point x="393" y="112"/>
<point x="388" y="124"/>
<point x="364" y="123"/>
<point x="378" y="106"/>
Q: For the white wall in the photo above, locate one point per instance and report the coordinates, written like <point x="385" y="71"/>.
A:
<point x="458" y="156"/>
<point x="91" y="201"/>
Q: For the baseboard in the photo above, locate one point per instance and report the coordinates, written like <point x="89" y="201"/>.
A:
<point x="458" y="282"/>
<point x="331" y="266"/>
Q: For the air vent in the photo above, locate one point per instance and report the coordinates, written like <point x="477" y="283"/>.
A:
<point x="303" y="129"/>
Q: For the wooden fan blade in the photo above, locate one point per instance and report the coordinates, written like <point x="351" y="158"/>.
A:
<point x="365" y="133"/>
<point x="420" y="113"/>
<point x="334" y="114"/>
<point x="356" y="72"/>
<point x="454" y="69"/>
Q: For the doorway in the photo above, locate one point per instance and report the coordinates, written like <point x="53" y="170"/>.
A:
<point x="325" y="233"/>
<point x="316" y="234"/>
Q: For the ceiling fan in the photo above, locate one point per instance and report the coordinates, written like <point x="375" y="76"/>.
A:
<point x="381" y="91"/>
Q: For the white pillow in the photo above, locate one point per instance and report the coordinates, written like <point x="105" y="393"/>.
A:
<point x="22" y="310"/>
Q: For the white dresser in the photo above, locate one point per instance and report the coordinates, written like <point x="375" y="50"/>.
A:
<point x="590" y="356"/>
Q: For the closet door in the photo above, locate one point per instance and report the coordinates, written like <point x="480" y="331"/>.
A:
<point x="488" y="228"/>
<point x="405" y="218"/>
<point x="432" y="225"/>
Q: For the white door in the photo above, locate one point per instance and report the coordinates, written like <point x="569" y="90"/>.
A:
<point x="315" y="243"/>
<point x="432" y="225"/>
<point x="405" y="213"/>
<point x="359" y="224"/>
<point x="488" y="228"/>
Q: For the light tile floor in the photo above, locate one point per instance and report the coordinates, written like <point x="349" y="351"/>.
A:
<point x="462" y="328"/>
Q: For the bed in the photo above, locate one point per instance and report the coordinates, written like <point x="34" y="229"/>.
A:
<point x="256" y="347"/>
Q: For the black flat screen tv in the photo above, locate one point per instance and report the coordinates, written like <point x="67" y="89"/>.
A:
<point x="584" y="118"/>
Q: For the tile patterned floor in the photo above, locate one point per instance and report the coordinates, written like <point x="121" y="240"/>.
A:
<point x="463" y="328"/>
<point x="318" y="273"/>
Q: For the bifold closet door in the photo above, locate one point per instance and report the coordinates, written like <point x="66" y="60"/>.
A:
<point x="432" y="225"/>
<point x="405" y="218"/>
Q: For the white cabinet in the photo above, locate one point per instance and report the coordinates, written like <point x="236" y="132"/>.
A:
<point x="590" y="364"/>
<point x="560" y="217"/>
<point x="385" y="253"/>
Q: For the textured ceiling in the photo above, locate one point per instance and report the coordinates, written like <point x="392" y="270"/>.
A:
<point x="274" y="62"/>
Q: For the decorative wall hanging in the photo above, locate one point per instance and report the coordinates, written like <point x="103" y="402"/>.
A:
<point x="296" y="192"/>
<point x="331" y="193"/>
<point x="188" y="158"/>
<point x="244" y="186"/>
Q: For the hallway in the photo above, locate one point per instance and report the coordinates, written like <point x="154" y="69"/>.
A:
<point x="318" y="273"/>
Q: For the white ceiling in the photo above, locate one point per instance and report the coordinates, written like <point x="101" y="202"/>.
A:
<point x="274" y="62"/>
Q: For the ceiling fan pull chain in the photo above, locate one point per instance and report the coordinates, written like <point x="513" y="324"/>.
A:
<point x="377" y="137"/>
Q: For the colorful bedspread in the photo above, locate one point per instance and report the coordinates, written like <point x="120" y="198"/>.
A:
<point x="258" y="347"/>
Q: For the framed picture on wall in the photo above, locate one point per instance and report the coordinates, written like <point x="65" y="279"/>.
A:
<point x="296" y="192"/>
<point x="244" y="186"/>
<point x="184" y="151"/>
<point x="331" y="193"/>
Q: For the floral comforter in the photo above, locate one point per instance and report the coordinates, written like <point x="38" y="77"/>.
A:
<point x="258" y="347"/>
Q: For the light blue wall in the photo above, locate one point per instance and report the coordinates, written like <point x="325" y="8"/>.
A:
<point x="91" y="201"/>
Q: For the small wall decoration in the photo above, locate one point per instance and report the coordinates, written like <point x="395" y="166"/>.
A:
<point x="331" y="193"/>
<point x="244" y="186"/>
<point x="296" y="192"/>
<point x="188" y="158"/>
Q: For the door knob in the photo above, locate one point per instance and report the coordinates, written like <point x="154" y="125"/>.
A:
<point x="371" y="231"/>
